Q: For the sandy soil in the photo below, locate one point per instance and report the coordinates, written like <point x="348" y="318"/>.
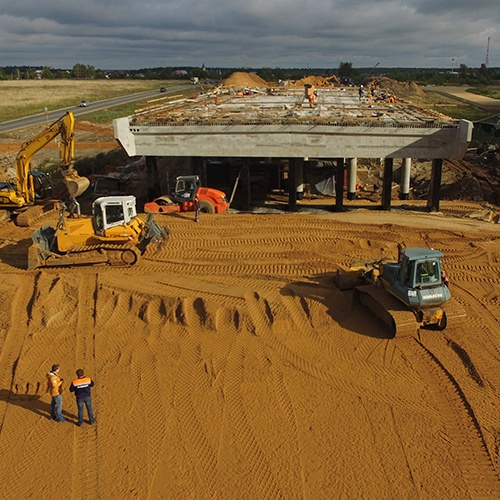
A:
<point x="227" y="365"/>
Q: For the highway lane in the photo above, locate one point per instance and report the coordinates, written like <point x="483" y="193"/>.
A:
<point x="51" y="116"/>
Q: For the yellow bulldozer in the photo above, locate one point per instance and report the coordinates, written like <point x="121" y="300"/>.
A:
<point x="31" y="193"/>
<point x="113" y="235"/>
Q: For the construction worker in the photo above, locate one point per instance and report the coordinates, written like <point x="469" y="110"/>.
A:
<point x="361" y="92"/>
<point x="444" y="278"/>
<point x="81" y="387"/>
<point x="197" y="208"/>
<point x="54" y="387"/>
<point x="310" y="94"/>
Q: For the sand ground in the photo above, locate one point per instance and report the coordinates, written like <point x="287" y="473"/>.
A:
<point x="227" y="365"/>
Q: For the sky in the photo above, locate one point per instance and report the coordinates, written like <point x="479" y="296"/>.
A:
<point x="132" y="34"/>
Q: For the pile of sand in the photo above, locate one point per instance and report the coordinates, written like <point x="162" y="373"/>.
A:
<point x="241" y="80"/>
<point x="315" y="81"/>
<point x="399" y="89"/>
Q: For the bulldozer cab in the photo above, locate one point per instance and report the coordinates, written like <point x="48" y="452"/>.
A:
<point x="111" y="211"/>
<point x="186" y="187"/>
<point x="420" y="267"/>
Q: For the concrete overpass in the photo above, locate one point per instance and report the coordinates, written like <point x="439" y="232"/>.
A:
<point x="283" y="124"/>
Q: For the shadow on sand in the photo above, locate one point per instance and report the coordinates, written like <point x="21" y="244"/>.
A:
<point x="341" y="306"/>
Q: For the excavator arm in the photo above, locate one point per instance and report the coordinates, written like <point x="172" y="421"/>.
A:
<point x="65" y="128"/>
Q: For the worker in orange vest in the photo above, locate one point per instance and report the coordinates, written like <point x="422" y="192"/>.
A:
<point x="81" y="387"/>
<point x="444" y="278"/>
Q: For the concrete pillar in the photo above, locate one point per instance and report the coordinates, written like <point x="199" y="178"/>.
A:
<point x="387" y="183"/>
<point x="203" y="172"/>
<point x="435" y="185"/>
<point x="152" y="178"/>
<point x="404" y="189"/>
<point x="339" y="185"/>
<point x="292" y="184"/>
<point x="246" y="173"/>
<point x="352" y="165"/>
<point x="299" y="172"/>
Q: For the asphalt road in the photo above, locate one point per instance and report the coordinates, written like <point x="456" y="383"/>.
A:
<point x="52" y="116"/>
<point x="480" y="101"/>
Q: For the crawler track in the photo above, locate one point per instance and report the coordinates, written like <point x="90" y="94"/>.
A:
<point x="462" y="427"/>
<point x="391" y="311"/>
<point x="112" y="255"/>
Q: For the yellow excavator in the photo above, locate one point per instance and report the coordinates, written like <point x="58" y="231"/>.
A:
<point x="31" y="194"/>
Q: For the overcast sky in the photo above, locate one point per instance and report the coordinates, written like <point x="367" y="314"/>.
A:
<point x="132" y="34"/>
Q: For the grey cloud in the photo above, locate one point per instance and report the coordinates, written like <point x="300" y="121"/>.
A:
<point x="132" y="34"/>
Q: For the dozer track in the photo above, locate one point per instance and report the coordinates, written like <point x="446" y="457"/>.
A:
<point x="392" y="312"/>
<point x="455" y="313"/>
<point x="111" y="255"/>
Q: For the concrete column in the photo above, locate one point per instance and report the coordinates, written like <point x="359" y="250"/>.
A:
<point x="352" y="165"/>
<point x="248" y="184"/>
<point x="387" y="183"/>
<point x="435" y="185"/>
<point x="339" y="185"/>
<point x="404" y="190"/>
<point x="292" y="184"/>
<point x="203" y="169"/>
<point x="152" y="178"/>
<point x="299" y="172"/>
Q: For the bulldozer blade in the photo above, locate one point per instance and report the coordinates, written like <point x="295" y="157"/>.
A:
<point x="347" y="280"/>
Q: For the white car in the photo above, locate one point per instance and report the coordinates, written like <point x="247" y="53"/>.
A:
<point x="84" y="104"/>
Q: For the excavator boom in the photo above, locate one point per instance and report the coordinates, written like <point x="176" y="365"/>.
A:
<point x="26" y="193"/>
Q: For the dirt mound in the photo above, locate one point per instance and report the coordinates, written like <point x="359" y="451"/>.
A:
<point x="93" y="128"/>
<point x="315" y="81"/>
<point x="399" y="89"/>
<point x="241" y="79"/>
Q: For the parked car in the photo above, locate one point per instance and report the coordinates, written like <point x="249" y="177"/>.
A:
<point x="84" y="103"/>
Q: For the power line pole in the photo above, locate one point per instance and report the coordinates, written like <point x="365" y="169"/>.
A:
<point x="487" y="52"/>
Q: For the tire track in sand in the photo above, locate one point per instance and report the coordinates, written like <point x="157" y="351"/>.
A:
<point x="487" y="323"/>
<point x="262" y="475"/>
<point x="35" y="440"/>
<point x="344" y="373"/>
<point x="463" y="430"/>
<point x="190" y="375"/>
<point x="85" y="467"/>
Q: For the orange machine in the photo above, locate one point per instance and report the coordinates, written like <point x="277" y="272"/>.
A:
<point x="212" y="201"/>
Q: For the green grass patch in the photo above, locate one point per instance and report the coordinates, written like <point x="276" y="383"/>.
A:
<point x="108" y="115"/>
<point x="27" y="98"/>
<point x="455" y="107"/>
<point x="488" y="91"/>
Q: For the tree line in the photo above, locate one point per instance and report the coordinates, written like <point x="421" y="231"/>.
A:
<point x="345" y="71"/>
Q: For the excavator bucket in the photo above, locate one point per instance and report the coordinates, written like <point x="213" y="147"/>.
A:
<point x="75" y="183"/>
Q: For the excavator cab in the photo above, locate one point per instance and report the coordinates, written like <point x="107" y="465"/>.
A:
<point x="42" y="184"/>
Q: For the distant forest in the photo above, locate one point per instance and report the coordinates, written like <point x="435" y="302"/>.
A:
<point x="345" y="71"/>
